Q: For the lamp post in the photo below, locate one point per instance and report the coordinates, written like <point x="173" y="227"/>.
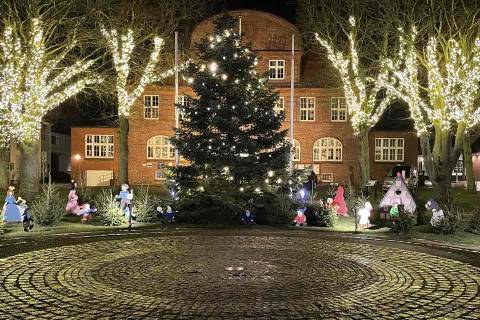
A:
<point x="78" y="158"/>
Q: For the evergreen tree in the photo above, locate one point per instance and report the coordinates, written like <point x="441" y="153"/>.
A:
<point x="229" y="131"/>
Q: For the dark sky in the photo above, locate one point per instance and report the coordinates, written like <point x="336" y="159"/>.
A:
<point x="283" y="8"/>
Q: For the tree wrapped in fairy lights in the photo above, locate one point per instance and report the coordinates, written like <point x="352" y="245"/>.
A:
<point x="35" y="79"/>
<point x="444" y="103"/>
<point x="366" y="96"/>
<point x="121" y="46"/>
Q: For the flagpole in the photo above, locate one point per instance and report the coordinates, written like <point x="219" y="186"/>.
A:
<point x="292" y="105"/>
<point x="177" y="158"/>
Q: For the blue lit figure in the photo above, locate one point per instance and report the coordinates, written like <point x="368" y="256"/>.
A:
<point x="11" y="212"/>
<point x="170" y="214"/>
<point x="125" y="200"/>
<point x="302" y="194"/>
<point x="248" y="218"/>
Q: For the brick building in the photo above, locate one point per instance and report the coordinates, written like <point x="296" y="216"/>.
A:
<point x="323" y="135"/>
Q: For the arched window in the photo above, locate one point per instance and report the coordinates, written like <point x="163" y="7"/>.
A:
<point x="327" y="149"/>
<point x="159" y="147"/>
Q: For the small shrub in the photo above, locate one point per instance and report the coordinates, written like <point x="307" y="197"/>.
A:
<point x="350" y="197"/>
<point x="208" y="208"/>
<point x="144" y="206"/>
<point x="326" y="217"/>
<point x="474" y="221"/>
<point x="403" y="223"/>
<point x="452" y="221"/>
<point x="108" y="208"/>
<point x="49" y="208"/>
<point x="275" y="209"/>
<point x="2" y="223"/>
<point x="318" y="215"/>
<point x="85" y="195"/>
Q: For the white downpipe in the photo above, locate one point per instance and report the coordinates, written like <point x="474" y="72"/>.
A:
<point x="177" y="157"/>
<point x="292" y="101"/>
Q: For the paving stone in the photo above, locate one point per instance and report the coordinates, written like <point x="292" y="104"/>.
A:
<point x="199" y="277"/>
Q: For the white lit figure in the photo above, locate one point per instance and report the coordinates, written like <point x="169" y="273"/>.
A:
<point x="364" y="214"/>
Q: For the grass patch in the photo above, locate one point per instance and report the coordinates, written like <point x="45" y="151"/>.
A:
<point x="69" y="224"/>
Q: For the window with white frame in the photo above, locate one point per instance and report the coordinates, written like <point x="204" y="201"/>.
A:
<point x="307" y="109"/>
<point x="326" y="177"/>
<point x="151" y="107"/>
<point x="99" y="146"/>
<point x="338" y="109"/>
<point x="279" y="107"/>
<point x="327" y="149"/>
<point x="276" y="69"/>
<point x="182" y="100"/>
<point x="159" y="147"/>
<point x="389" y="149"/>
<point x="161" y="171"/>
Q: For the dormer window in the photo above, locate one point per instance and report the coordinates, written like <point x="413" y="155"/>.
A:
<point x="276" y="69"/>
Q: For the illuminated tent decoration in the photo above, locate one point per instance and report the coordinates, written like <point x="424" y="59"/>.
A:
<point x="398" y="194"/>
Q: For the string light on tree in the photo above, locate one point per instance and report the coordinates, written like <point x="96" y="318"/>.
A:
<point x="30" y="90"/>
<point x="362" y="92"/>
<point x="446" y="104"/>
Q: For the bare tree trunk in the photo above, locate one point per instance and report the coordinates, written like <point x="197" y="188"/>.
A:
<point x="4" y="167"/>
<point x="440" y="161"/>
<point x="30" y="169"/>
<point x="123" y="150"/>
<point x="364" y="159"/>
<point x="468" y="162"/>
<point x="435" y="166"/>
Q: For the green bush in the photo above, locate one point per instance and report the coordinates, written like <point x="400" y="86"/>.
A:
<point x="403" y="223"/>
<point x="452" y="221"/>
<point x="144" y="206"/>
<point x="274" y="209"/>
<point x="85" y="195"/>
<point x="350" y="197"/>
<point x="48" y="208"/>
<point x="474" y="221"/>
<point x="209" y="208"/>
<point x="318" y="215"/>
<point x="226" y="208"/>
<point x="108" y="208"/>
<point x="326" y="217"/>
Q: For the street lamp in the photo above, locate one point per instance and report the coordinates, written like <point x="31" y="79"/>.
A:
<point x="77" y="158"/>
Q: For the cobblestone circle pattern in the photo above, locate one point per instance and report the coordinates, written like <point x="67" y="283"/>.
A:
<point x="231" y="277"/>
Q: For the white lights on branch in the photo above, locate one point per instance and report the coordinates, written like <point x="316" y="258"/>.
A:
<point x="213" y="66"/>
<point x="453" y="74"/>
<point x="361" y="92"/>
<point x="121" y="47"/>
<point x="34" y="80"/>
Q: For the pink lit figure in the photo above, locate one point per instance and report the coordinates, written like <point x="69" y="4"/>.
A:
<point x="339" y="202"/>
<point x="72" y="204"/>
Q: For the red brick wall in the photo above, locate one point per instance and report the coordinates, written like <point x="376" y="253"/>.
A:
<point x="78" y="148"/>
<point x="379" y="169"/>
<point x="142" y="170"/>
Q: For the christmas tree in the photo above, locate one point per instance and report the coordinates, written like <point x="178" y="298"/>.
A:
<point x="229" y="131"/>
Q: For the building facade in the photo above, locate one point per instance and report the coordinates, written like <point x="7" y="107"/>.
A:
<point x="324" y="139"/>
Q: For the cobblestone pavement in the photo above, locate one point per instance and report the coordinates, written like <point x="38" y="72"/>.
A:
<point x="237" y="275"/>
